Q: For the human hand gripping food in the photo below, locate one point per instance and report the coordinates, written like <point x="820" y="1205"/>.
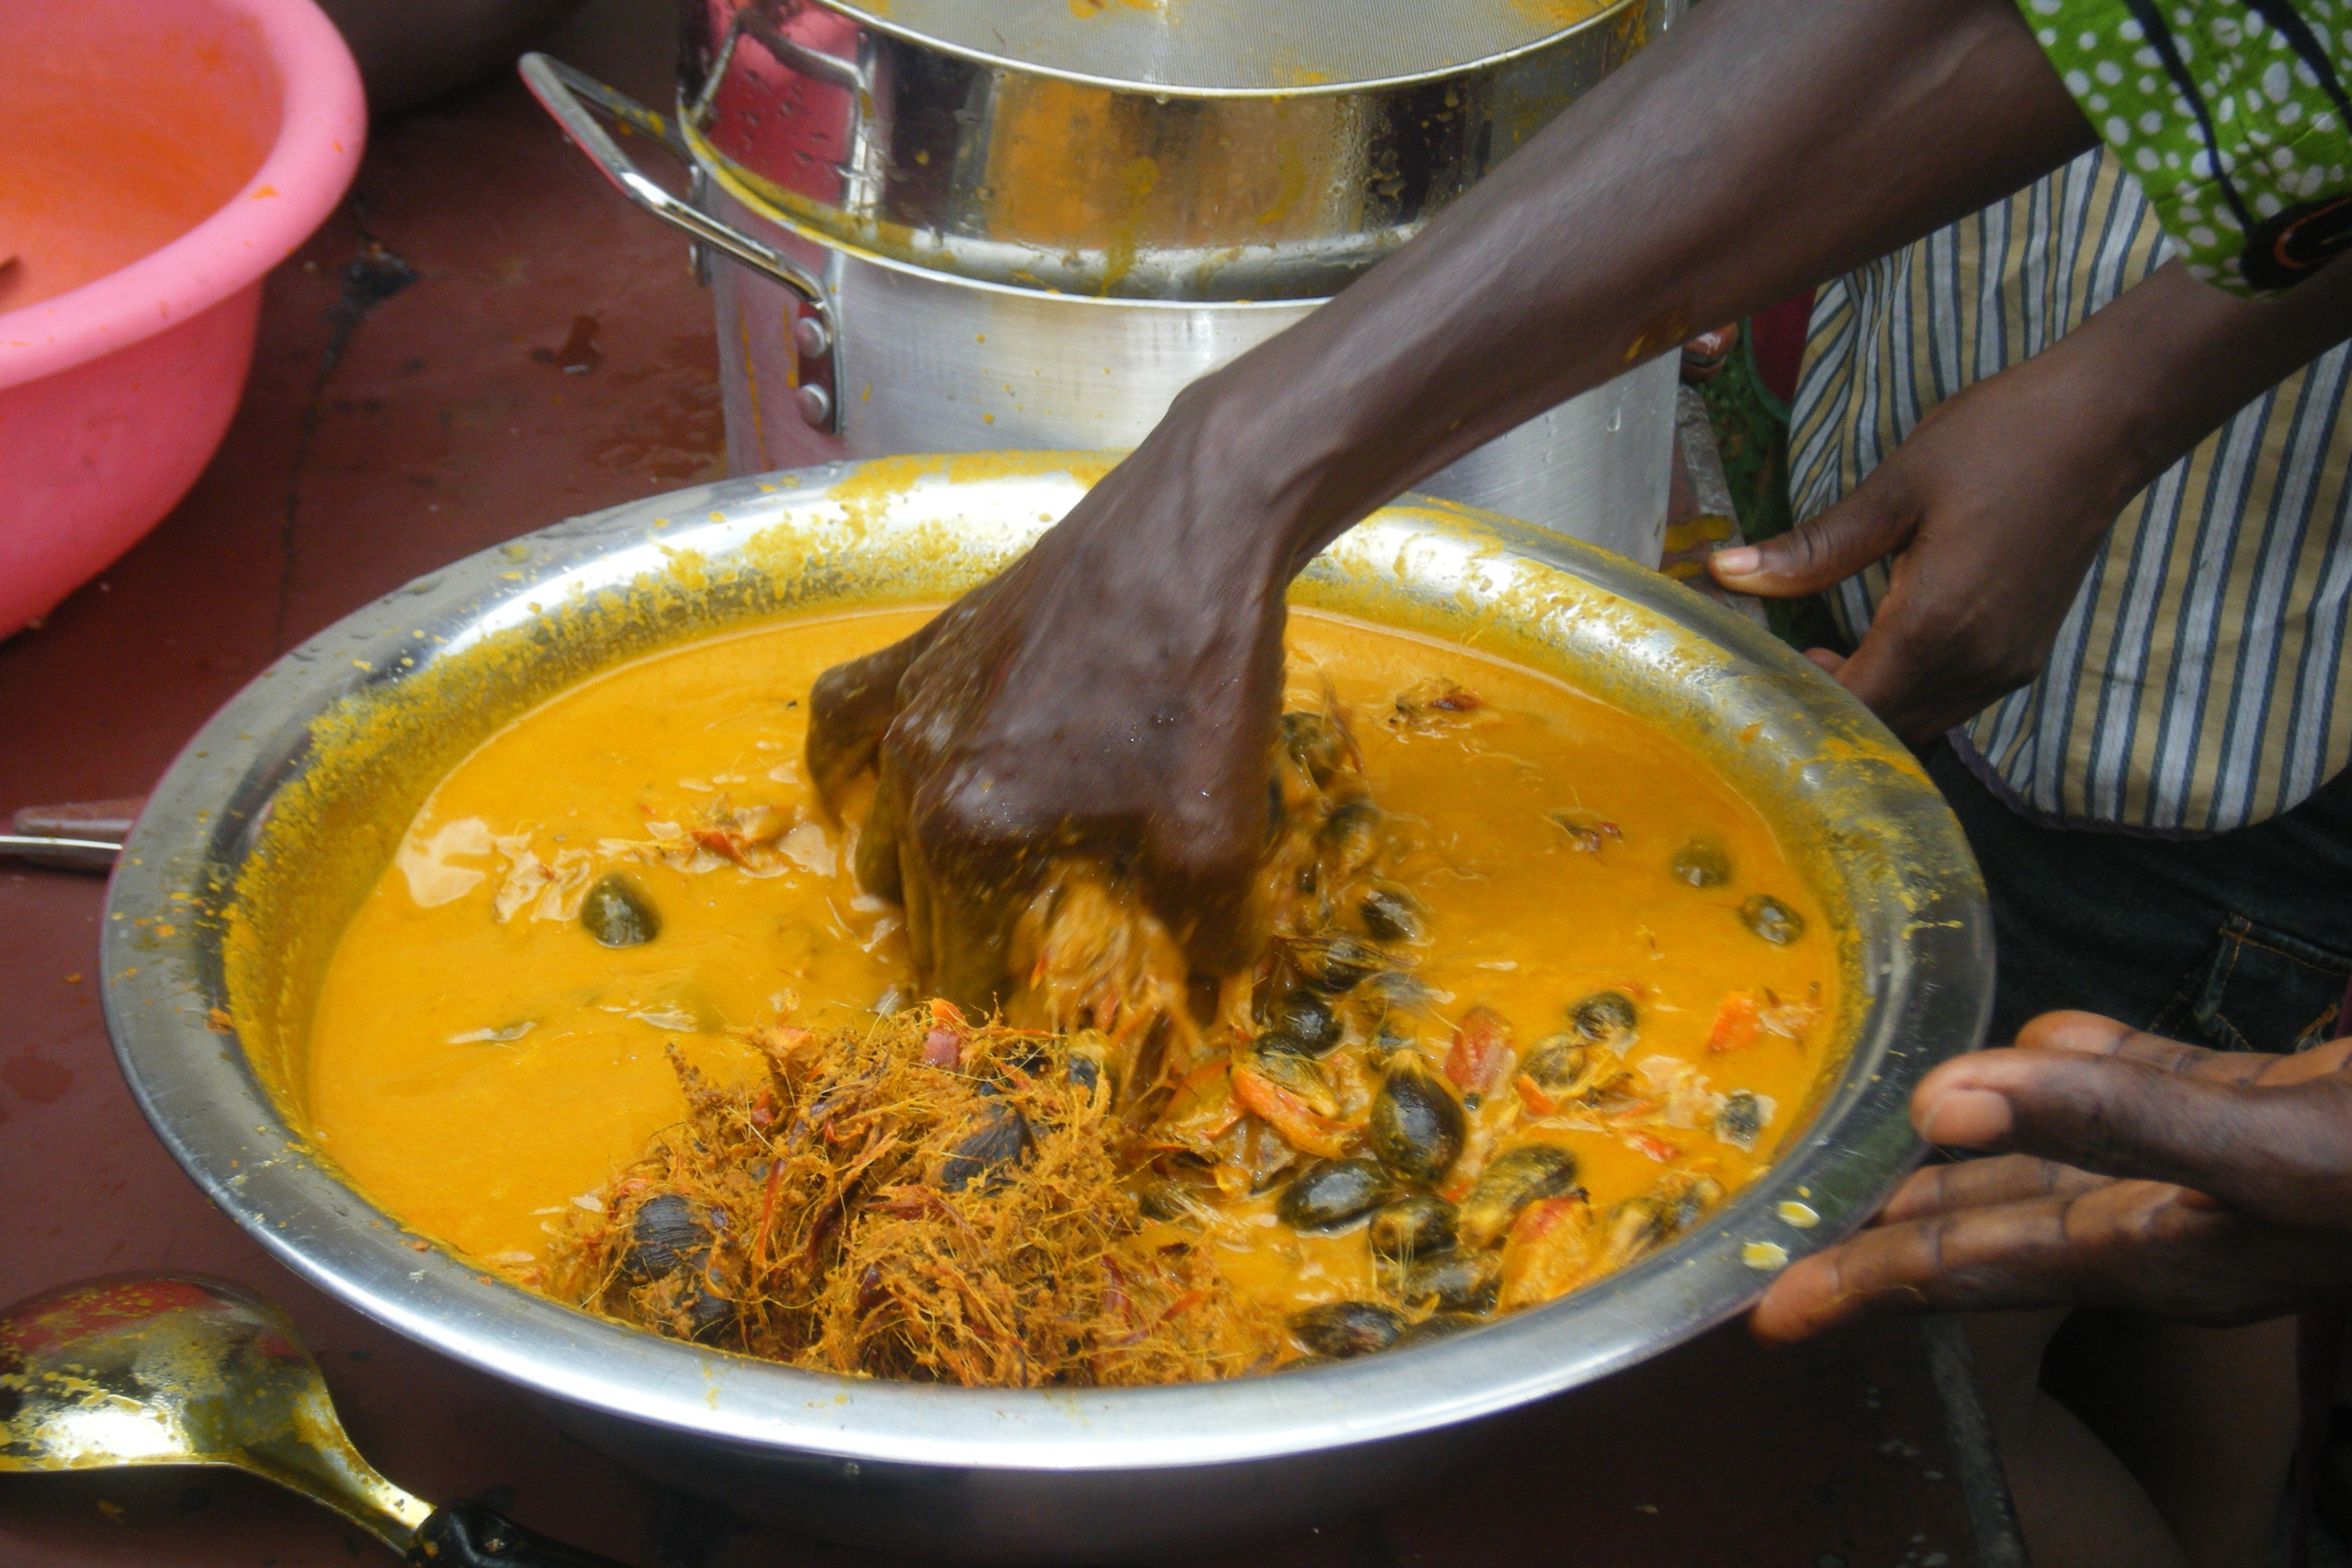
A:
<point x="2132" y="1172"/>
<point x="1112" y="696"/>
<point x="1995" y="506"/>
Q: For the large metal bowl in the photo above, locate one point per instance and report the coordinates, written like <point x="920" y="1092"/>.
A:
<point x="272" y="823"/>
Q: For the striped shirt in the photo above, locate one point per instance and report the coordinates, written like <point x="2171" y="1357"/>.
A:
<point x="2194" y="686"/>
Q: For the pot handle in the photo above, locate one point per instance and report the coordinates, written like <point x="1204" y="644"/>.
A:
<point x="852" y="77"/>
<point x="848" y="75"/>
<point x="569" y="95"/>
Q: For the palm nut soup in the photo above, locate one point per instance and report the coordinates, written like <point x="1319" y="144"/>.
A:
<point x="1539" y="989"/>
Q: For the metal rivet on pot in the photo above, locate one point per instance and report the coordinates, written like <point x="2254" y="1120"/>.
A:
<point x="810" y="340"/>
<point x="817" y="406"/>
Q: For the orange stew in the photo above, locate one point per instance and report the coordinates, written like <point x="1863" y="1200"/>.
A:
<point x="1614" y="959"/>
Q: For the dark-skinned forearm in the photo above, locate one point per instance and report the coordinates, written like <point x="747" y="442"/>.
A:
<point x="1763" y="145"/>
<point x="2172" y="358"/>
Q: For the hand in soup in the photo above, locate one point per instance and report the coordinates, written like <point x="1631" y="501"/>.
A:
<point x="1024" y="724"/>
<point x="1543" y="988"/>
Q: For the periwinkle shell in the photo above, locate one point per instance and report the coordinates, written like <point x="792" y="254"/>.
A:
<point x="1605" y="1017"/>
<point x="1454" y="1282"/>
<point x="618" y="913"/>
<point x="1307" y="1018"/>
<point x="1513" y="1180"/>
<point x="997" y="1140"/>
<point x="1773" y="920"/>
<point x="1420" y="1226"/>
<point x="1417" y="1126"/>
<point x="1342" y="1329"/>
<point x="1702" y="862"/>
<point x="1329" y="1193"/>
<point x="1393" y="914"/>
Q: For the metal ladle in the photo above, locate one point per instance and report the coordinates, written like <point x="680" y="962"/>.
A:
<point x="177" y="1369"/>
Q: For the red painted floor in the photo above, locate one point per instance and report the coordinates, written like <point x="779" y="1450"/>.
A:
<point x="484" y="342"/>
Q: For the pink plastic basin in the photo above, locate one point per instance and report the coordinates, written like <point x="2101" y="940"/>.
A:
<point x="161" y="155"/>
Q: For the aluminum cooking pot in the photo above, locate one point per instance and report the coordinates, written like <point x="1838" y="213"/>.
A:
<point x="1192" y="150"/>
<point x="281" y="813"/>
<point x="967" y="224"/>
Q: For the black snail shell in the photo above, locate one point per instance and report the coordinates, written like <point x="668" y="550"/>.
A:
<point x="1342" y="1329"/>
<point x="1391" y="914"/>
<point x="1513" y="1180"/>
<point x="1086" y="1063"/>
<point x="1702" y="863"/>
<point x="617" y="912"/>
<point x="1331" y="1193"/>
<point x="1605" y="1017"/>
<point x="1741" y="1120"/>
<point x="1315" y="741"/>
<point x="1416" y="1227"/>
<point x="1556" y="1063"/>
<point x="666" y="1233"/>
<point x="1307" y="1018"/>
<point x="1638" y="1224"/>
<point x="1386" y="1042"/>
<point x="1337" y="964"/>
<point x="1401" y="988"/>
<point x="998" y="1138"/>
<point x="669" y="1235"/>
<point x="1455" y="1281"/>
<point x="1417" y="1125"/>
<point x="1280" y="1059"/>
<point x="1166" y="1198"/>
<point x="1282" y="1043"/>
<point x="1687" y="1205"/>
<point x="1653" y="1219"/>
<point x="1773" y="920"/>
<point x="1351" y="836"/>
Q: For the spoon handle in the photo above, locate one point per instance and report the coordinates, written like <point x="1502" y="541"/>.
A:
<point x="85" y="836"/>
<point x="469" y="1535"/>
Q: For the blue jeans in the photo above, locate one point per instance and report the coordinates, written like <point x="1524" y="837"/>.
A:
<point x="2238" y="941"/>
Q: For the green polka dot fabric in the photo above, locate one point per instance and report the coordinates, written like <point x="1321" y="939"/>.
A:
<point x="2232" y="115"/>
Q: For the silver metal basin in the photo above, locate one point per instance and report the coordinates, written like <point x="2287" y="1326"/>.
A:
<point x="280" y="814"/>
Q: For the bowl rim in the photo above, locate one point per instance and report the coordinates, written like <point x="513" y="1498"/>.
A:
<point x="210" y="1109"/>
<point x="321" y="131"/>
<point x="866" y="14"/>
